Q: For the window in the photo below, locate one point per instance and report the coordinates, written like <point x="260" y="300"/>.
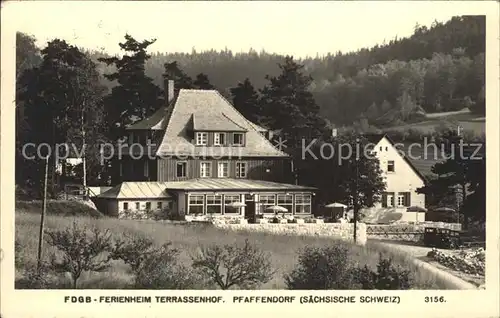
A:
<point x="266" y="200"/>
<point x="146" y="168"/>
<point x="390" y="166"/>
<point x="228" y="199"/>
<point x="219" y="139"/>
<point x="387" y="200"/>
<point x="241" y="170"/>
<point x="223" y="169"/>
<point x="286" y="201"/>
<point x="159" y="205"/>
<point x="386" y="148"/>
<point x="125" y="205"/>
<point x="380" y="148"/>
<point x="302" y="203"/>
<point x="195" y="204"/>
<point x="401" y="200"/>
<point x="205" y="169"/>
<point x="201" y="138"/>
<point x="237" y="139"/>
<point x="404" y="199"/>
<point x="214" y="204"/>
<point x="137" y="205"/>
<point x="148" y="206"/>
<point x="181" y="169"/>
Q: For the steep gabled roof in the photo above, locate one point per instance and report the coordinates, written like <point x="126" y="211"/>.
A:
<point x="420" y="166"/>
<point x="210" y="104"/>
<point x="259" y="128"/>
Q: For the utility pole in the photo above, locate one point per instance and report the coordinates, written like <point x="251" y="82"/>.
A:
<point x="355" y="199"/>
<point x="42" y="218"/>
<point x="84" y="162"/>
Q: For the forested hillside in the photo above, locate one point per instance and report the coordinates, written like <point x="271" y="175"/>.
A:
<point x="437" y="69"/>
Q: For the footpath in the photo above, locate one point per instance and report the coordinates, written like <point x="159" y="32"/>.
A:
<point x="418" y="252"/>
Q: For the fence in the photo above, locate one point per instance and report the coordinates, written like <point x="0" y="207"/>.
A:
<point x="405" y="232"/>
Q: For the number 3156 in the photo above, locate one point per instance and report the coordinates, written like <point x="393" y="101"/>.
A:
<point x="434" y="299"/>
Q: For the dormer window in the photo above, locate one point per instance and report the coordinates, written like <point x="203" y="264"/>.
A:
<point x="237" y="139"/>
<point x="219" y="139"/>
<point x="201" y="138"/>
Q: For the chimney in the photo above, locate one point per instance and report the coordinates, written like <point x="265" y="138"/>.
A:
<point x="270" y="134"/>
<point x="169" y="91"/>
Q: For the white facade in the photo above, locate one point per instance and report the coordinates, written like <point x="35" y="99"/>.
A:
<point x="402" y="181"/>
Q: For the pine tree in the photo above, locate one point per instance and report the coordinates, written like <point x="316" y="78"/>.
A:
<point x="202" y="82"/>
<point x="180" y="78"/>
<point x="288" y="104"/>
<point x="459" y="172"/>
<point x="62" y="99"/>
<point x="347" y="176"/>
<point x="136" y="96"/>
<point x="246" y="101"/>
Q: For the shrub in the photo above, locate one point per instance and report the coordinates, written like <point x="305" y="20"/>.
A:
<point x="161" y="270"/>
<point x="233" y="265"/>
<point x="81" y="250"/>
<point x="322" y="268"/>
<point x="34" y="277"/>
<point x="153" y="267"/>
<point x="133" y="251"/>
<point x="387" y="276"/>
<point x="332" y="268"/>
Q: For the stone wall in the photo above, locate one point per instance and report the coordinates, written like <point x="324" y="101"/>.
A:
<point x="344" y="231"/>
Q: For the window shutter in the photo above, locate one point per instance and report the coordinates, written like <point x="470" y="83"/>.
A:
<point x="384" y="200"/>
<point x="408" y="199"/>
<point x="210" y="139"/>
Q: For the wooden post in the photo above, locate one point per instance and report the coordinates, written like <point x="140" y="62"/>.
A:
<point x="355" y="205"/>
<point x="42" y="219"/>
<point x="355" y="199"/>
<point x="84" y="162"/>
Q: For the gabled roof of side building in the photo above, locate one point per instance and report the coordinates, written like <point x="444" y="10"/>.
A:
<point x="421" y="166"/>
<point x="154" y="122"/>
<point x="136" y="190"/>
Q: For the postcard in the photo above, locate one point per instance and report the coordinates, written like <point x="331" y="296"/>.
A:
<point x="249" y="157"/>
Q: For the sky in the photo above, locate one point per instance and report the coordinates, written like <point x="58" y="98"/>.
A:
<point x="297" y="28"/>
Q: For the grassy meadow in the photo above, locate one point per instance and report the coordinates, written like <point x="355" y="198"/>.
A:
<point x="468" y="122"/>
<point x="188" y="239"/>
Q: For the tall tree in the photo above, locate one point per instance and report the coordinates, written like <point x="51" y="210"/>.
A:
<point x="289" y="105"/>
<point x="202" y="82"/>
<point x="246" y="100"/>
<point x="62" y="96"/>
<point x="27" y="53"/>
<point x="461" y="174"/>
<point x="136" y="96"/>
<point x="87" y="129"/>
<point x="343" y="171"/>
<point x="180" y="78"/>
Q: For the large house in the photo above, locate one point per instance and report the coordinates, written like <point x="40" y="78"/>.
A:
<point x="198" y="155"/>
